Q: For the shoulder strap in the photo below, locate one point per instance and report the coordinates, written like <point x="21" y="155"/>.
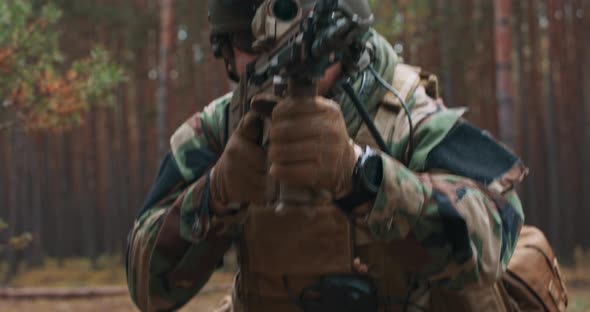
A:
<point x="405" y="80"/>
<point x="236" y="109"/>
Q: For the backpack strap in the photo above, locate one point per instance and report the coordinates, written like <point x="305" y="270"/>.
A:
<point x="236" y="109"/>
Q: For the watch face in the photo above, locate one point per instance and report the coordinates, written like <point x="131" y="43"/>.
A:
<point x="372" y="173"/>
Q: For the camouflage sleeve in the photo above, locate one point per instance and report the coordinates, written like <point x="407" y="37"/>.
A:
<point x="453" y="200"/>
<point x="465" y="234"/>
<point x="175" y="243"/>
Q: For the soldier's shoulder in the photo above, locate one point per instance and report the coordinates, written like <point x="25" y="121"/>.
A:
<point x="220" y="102"/>
<point x="215" y="109"/>
<point x="204" y="131"/>
<point x="212" y="117"/>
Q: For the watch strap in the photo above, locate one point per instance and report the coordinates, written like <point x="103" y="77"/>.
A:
<point x="360" y="193"/>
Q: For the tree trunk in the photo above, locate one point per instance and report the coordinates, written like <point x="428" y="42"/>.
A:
<point x="16" y="149"/>
<point x="24" y="192"/>
<point x="533" y="107"/>
<point x="39" y="151"/>
<point x="504" y="86"/>
<point x="578" y="63"/>
<point x="166" y="35"/>
<point x="64" y="198"/>
<point x="582" y="13"/>
<point x="101" y="162"/>
<point x="552" y="94"/>
<point x="571" y="125"/>
<point x="87" y="202"/>
<point x="521" y="128"/>
<point x="5" y="192"/>
<point x="122" y="181"/>
<point x="148" y="139"/>
<point x="446" y="62"/>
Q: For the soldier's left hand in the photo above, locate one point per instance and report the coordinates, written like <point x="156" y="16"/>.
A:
<point x="310" y="146"/>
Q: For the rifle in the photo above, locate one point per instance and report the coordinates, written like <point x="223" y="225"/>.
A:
<point x="335" y="31"/>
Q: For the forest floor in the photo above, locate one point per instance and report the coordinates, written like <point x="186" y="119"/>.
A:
<point x="75" y="274"/>
<point x="121" y="303"/>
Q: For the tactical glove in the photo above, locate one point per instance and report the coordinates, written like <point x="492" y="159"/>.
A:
<point x="310" y="146"/>
<point x="240" y="173"/>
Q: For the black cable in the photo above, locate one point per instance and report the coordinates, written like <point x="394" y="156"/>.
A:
<point x="347" y="87"/>
<point x="363" y="83"/>
<point x="406" y="109"/>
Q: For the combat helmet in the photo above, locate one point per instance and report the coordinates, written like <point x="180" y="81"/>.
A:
<point x="250" y="25"/>
<point x="230" y="24"/>
<point x="229" y="16"/>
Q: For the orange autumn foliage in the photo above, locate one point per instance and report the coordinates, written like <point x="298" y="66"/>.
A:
<point x="41" y="88"/>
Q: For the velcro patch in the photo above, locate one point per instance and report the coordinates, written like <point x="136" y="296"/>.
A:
<point x="470" y="152"/>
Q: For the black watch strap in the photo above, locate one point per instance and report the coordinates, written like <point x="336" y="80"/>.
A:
<point x="362" y="191"/>
<point x="354" y="199"/>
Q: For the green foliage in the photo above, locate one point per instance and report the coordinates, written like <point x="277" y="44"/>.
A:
<point x="16" y="242"/>
<point x="36" y="82"/>
<point x="396" y="17"/>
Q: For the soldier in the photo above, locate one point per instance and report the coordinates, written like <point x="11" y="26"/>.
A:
<point x="430" y="227"/>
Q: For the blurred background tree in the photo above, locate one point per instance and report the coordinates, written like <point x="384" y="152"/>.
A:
<point x="12" y="243"/>
<point x="77" y="190"/>
<point x="16" y="242"/>
<point x="38" y="87"/>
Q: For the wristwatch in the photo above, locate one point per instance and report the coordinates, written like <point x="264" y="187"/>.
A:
<point x="367" y="177"/>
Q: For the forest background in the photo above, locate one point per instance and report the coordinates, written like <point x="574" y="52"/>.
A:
<point x="90" y="92"/>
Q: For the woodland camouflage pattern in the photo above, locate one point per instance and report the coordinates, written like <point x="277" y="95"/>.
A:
<point x="466" y="228"/>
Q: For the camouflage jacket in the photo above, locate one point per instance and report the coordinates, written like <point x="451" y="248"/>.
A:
<point x="455" y="196"/>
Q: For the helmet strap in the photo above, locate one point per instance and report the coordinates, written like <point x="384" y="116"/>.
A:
<point x="230" y="68"/>
<point x="222" y="48"/>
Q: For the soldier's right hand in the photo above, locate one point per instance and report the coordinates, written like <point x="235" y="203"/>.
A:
<point x="240" y="173"/>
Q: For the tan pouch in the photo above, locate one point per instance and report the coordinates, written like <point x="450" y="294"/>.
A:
<point x="295" y="248"/>
<point x="533" y="278"/>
